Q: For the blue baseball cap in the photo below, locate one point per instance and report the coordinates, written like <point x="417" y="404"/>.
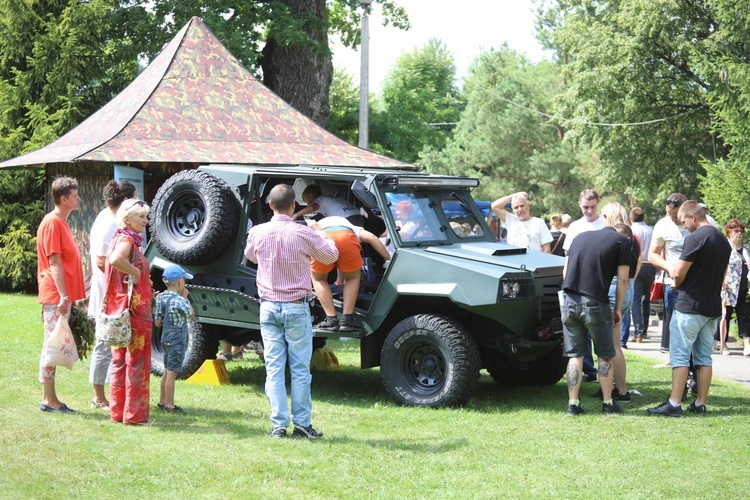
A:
<point x="173" y="273"/>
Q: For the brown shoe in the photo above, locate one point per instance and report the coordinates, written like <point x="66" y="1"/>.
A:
<point x="638" y="340"/>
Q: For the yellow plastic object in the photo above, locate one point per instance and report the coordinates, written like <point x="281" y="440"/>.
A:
<point x="324" y="360"/>
<point x="211" y="372"/>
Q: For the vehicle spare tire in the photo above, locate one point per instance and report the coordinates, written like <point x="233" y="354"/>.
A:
<point x="430" y="360"/>
<point x="203" y="343"/>
<point x="194" y="217"/>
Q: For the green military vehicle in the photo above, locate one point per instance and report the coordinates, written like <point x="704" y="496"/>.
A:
<point x="451" y="301"/>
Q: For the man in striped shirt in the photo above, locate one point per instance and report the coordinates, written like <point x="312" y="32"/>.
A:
<point x="283" y="250"/>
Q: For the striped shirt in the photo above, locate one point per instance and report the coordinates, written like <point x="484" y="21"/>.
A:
<point x="643" y="232"/>
<point x="283" y="250"/>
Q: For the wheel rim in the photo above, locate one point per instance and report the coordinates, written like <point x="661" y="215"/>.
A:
<point x="424" y="367"/>
<point x="188" y="217"/>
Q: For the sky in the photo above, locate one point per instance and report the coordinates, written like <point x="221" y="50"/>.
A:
<point x="466" y="27"/>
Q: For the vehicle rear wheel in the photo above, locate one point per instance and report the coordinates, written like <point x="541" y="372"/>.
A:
<point x="203" y="342"/>
<point x="546" y="370"/>
<point x="194" y="217"/>
<point x="430" y="360"/>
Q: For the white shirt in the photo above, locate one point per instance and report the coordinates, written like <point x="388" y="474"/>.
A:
<point x="336" y="221"/>
<point x="100" y="237"/>
<point x="330" y="207"/>
<point x="581" y="226"/>
<point x="671" y="237"/>
<point x="531" y="233"/>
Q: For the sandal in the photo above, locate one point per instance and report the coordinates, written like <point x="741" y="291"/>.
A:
<point x="224" y="357"/>
<point x="103" y="405"/>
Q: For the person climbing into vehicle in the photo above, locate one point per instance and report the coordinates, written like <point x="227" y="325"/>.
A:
<point x="347" y="238"/>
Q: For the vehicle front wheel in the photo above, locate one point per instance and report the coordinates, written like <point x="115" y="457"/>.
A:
<point x="430" y="360"/>
<point x="202" y="344"/>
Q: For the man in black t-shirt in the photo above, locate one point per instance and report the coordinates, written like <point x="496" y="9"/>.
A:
<point x="698" y="276"/>
<point x="594" y="258"/>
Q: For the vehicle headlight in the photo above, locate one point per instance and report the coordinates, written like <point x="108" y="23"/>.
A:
<point x="515" y="288"/>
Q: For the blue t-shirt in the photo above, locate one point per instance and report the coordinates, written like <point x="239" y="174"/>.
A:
<point x="173" y="310"/>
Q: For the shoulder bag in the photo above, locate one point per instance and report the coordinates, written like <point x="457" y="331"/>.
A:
<point x="657" y="289"/>
<point x="114" y="329"/>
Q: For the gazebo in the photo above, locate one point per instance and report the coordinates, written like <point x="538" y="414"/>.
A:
<point x="195" y="104"/>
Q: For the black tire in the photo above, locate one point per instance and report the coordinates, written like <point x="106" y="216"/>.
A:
<point x="194" y="217"/>
<point x="429" y="360"/>
<point x="546" y="370"/>
<point x="203" y="343"/>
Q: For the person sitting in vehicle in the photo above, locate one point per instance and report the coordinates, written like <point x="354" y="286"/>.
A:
<point x="328" y="206"/>
<point x="347" y="238"/>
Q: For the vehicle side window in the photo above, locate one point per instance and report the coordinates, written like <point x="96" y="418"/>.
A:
<point x="415" y="218"/>
<point x="462" y="222"/>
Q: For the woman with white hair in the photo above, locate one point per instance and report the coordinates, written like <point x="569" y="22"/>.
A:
<point x="131" y="366"/>
<point x="616" y="216"/>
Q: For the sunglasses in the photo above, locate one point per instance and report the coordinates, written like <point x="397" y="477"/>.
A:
<point x="140" y="203"/>
<point x="674" y="203"/>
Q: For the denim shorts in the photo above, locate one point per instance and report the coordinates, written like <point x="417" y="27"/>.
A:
<point x="691" y="333"/>
<point x="174" y="355"/>
<point x="583" y="316"/>
<point x="627" y="303"/>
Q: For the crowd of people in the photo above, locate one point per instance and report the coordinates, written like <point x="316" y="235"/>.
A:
<point x="611" y="260"/>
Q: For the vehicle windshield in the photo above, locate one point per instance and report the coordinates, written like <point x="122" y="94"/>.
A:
<point x="433" y="216"/>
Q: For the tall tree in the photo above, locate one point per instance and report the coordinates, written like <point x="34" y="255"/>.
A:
<point x="503" y="139"/>
<point x="632" y="61"/>
<point x="419" y="103"/>
<point x="343" y="120"/>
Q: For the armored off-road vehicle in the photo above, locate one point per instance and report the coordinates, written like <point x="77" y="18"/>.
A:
<point x="451" y="301"/>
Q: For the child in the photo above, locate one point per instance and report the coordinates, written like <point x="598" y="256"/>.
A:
<point x="347" y="238"/>
<point x="172" y="312"/>
<point x="328" y="206"/>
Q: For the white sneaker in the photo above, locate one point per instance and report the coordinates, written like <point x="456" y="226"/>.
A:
<point x="726" y="352"/>
<point x="746" y="351"/>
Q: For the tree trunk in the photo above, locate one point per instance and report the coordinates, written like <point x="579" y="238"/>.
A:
<point x="302" y="74"/>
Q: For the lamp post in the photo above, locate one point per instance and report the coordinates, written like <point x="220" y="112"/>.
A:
<point x="364" y="111"/>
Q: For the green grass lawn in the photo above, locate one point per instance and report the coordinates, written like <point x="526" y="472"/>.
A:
<point x="506" y="443"/>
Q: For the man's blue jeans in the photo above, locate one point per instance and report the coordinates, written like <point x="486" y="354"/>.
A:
<point x="286" y="329"/>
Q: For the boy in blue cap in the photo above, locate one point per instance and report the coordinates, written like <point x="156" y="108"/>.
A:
<point x="172" y="312"/>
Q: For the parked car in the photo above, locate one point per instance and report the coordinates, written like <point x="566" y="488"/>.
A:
<point x="446" y="306"/>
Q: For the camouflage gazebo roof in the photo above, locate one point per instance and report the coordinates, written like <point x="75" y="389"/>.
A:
<point x="197" y="103"/>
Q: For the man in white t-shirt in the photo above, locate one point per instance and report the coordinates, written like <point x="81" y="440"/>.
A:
<point x="588" y="200"/>
<point x="523" y="230"/>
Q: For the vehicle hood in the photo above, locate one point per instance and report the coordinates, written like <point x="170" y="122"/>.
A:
<point x="500" y="254"/>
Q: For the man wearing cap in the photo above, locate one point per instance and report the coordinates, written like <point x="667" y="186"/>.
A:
<point x="172" y="312"/>
<point x="523" y="230"/>
<point x="283" y="251"/>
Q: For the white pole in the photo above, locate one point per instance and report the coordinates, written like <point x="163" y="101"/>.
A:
<point x="364" y="111"/>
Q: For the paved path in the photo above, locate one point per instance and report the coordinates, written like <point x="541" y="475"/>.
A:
<point x="735" y="367"/>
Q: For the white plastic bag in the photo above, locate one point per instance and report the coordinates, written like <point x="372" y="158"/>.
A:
<point x="60" y="348"/>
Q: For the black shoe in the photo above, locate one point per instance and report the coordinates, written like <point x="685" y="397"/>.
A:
<point x="692" y="385"/>
<point x="598" y="394"/>
<point x="574" y="410"/>
<point x="666" y="410"/>
<point x="278" y="432"/>
<point x="350" y="323"/>
<point x="587" y="377"/>
<point x="623" y="398"/>
<point x="176" y="409"/>
<point x="63" y="409"/>
<point x="624" y="346"/>
<point x="306" y="432"/>
<point x="610" y="408"/>
<point x="331" y="324"/>
<point x="697" y="409"/>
